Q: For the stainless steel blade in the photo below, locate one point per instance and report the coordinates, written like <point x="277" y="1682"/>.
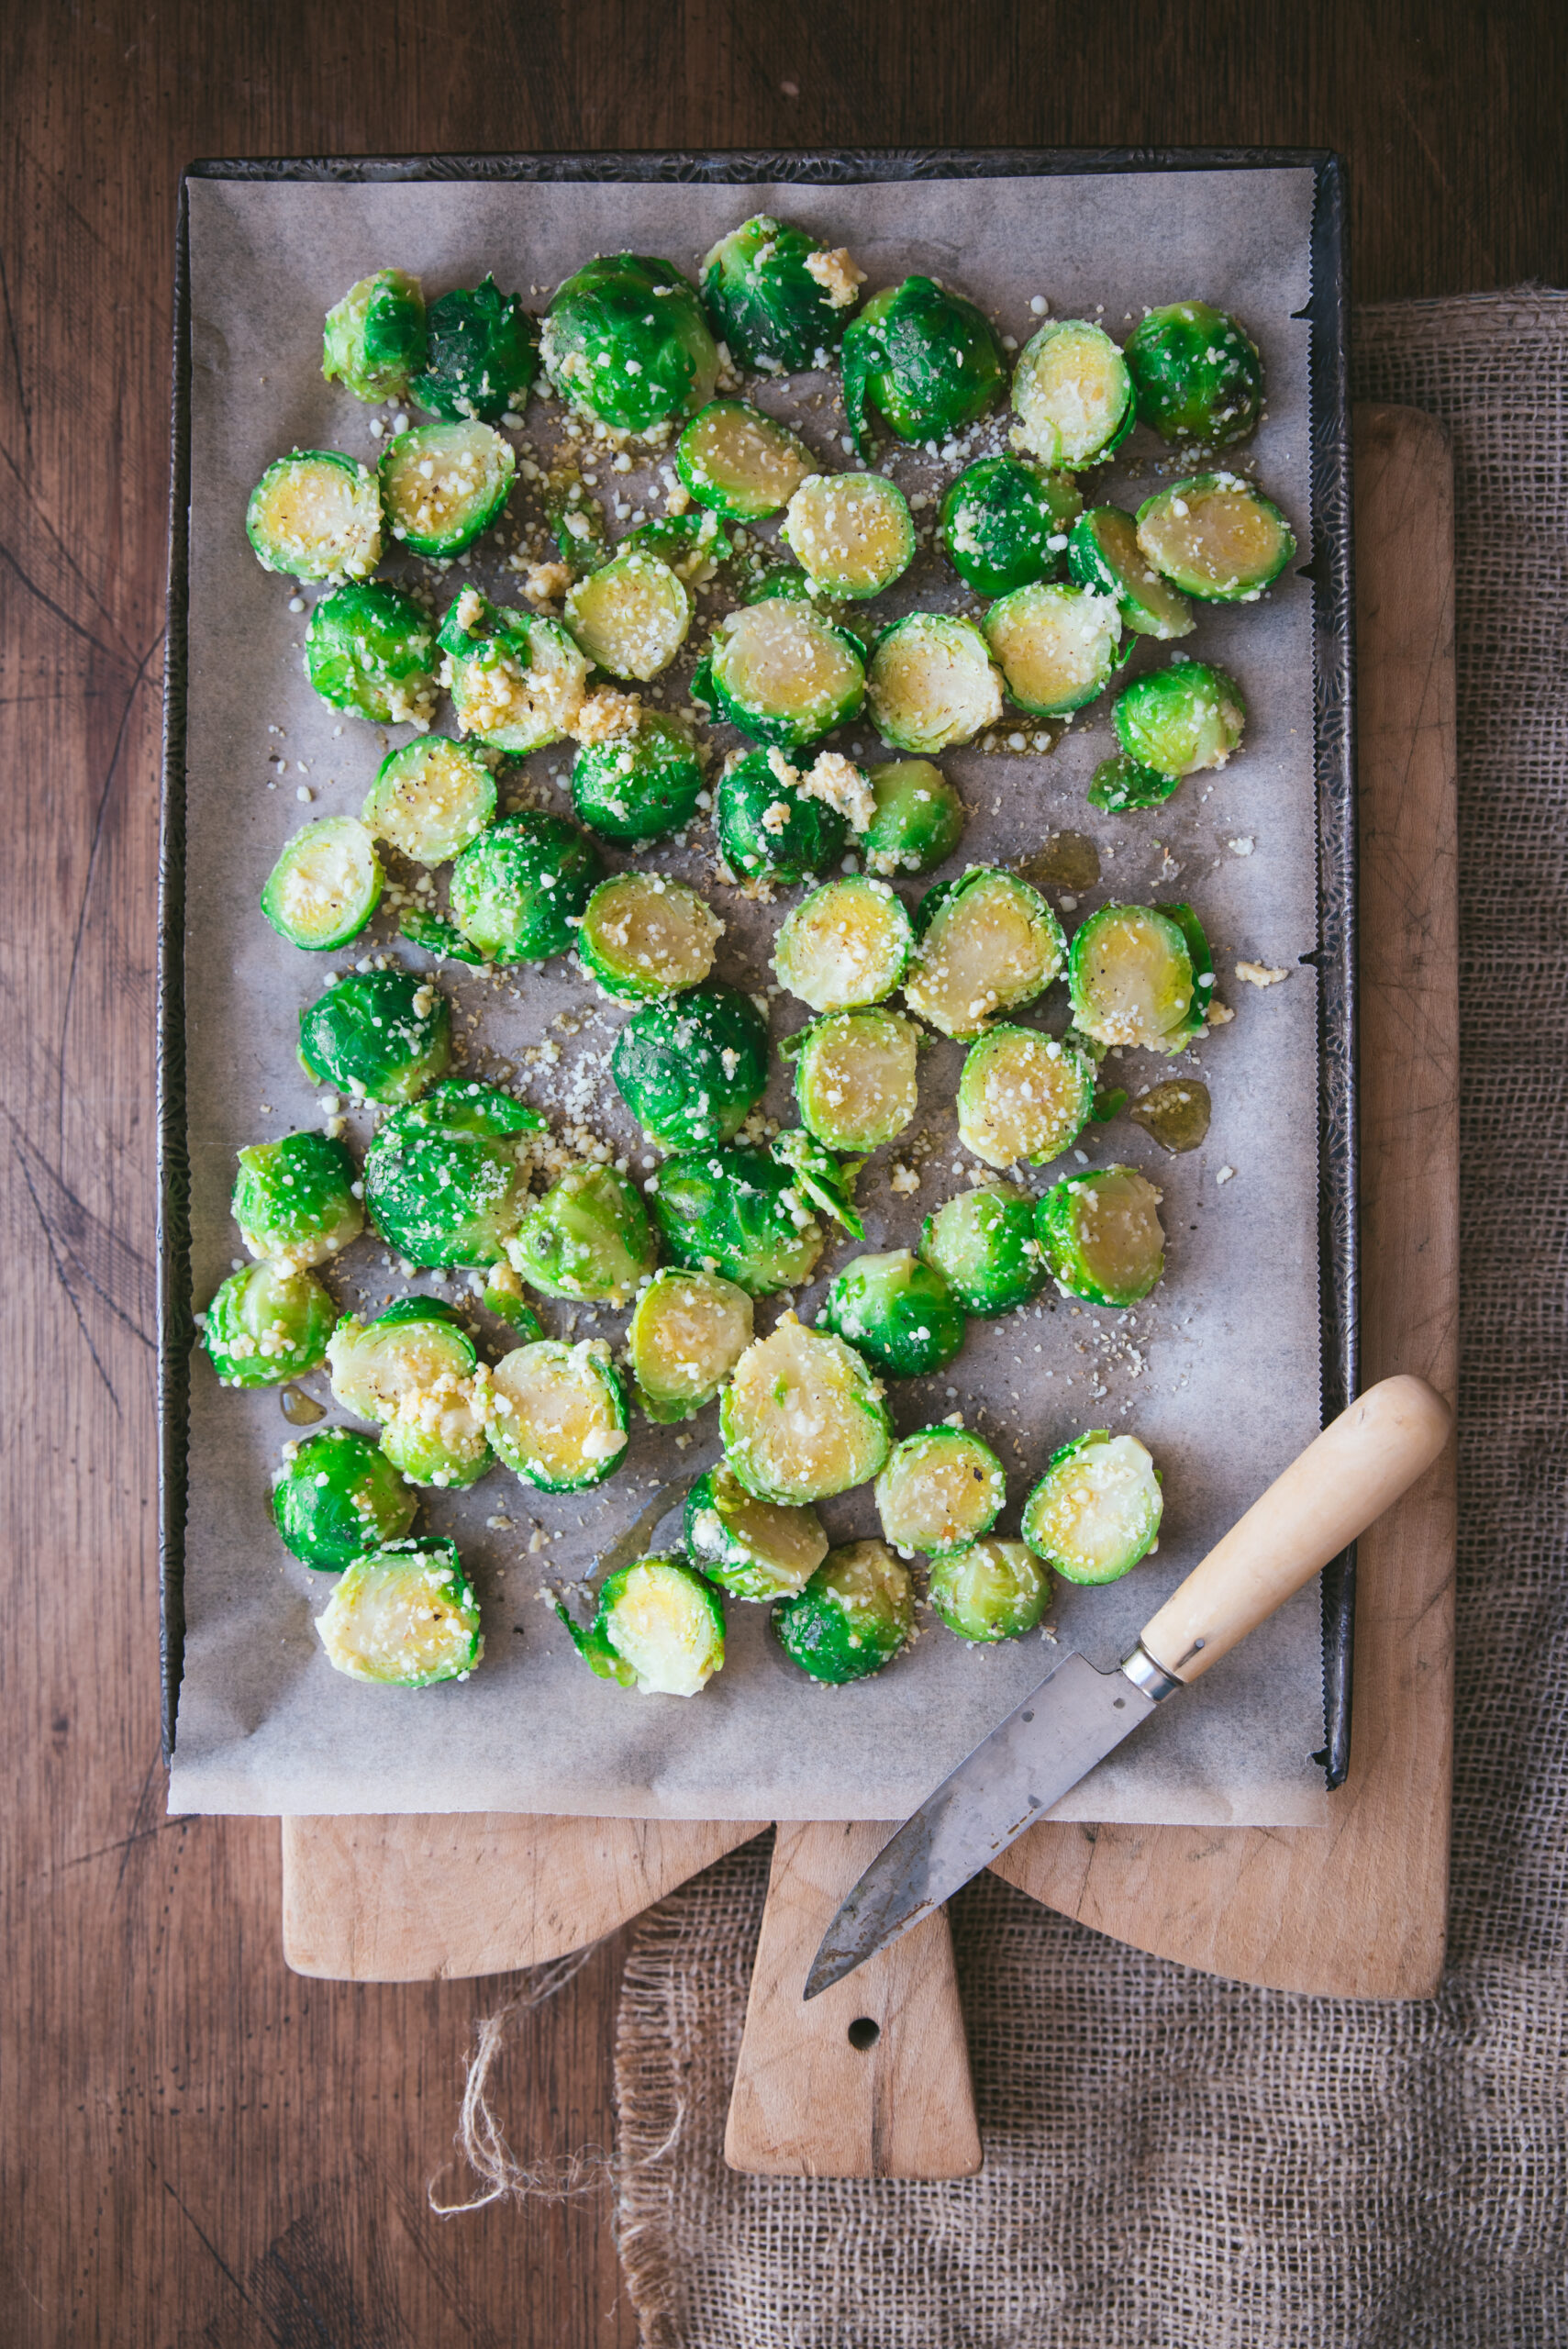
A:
<point x="1071" y="1721"/>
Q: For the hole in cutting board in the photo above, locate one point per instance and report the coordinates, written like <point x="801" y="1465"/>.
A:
<point x="863" y="2032"/>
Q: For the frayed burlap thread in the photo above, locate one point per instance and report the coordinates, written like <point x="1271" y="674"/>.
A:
<point x="1172" y="2161"/>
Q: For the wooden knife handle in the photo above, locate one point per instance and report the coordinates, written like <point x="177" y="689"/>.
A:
<point x="1345" y="1478"/>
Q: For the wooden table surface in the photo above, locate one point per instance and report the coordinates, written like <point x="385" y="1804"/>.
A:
<point x="196" y="2147"/>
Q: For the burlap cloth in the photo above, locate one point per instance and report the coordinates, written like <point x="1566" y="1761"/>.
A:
<point x="1176" y="2160"/>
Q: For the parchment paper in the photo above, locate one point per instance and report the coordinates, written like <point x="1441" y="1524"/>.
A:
<point x="1218" y="1372"/>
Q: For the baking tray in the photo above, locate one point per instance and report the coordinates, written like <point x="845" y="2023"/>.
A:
<point x="1330" y="576"/>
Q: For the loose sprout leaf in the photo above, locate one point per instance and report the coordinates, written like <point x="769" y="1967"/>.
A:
<point x="1175" y="1113"/>
<point x="436" y="935"/>
<point x="1121" y="783"/>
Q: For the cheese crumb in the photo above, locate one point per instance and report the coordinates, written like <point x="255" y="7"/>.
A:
<point x="838" y="782"/>
<point x="1226" y="1175"/>
<point x="837" y="273"/>
<point x="1260" y="975"/>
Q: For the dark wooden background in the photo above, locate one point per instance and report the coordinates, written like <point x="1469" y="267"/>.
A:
<point x="197" y="2147"/>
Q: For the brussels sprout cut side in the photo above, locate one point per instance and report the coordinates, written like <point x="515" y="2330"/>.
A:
<point x="924" y="361"/>
<point x="1096" y="1511"/>
<point x="441" y="484"/>
<point x="437" y="1437"/>
<point x="783" y="673"/>
<point x="1104" y="555"/>
<point x="295" y="1199"/>
<point x="996" y="1590"/>
<point x="1214" y="537"/>
<point x="639" y="784"/>
<point x="1180" y="721"/>
<point x="983" y="1242"/>
<point x="557" y="1414"/>
<point x="802" y="1418"/>
<point x="625" y="340"/>
<point x="369" y="650"/>
<point x="406" y="1617"/>
<point x="266" y="1325"/>
<point x="932" y="683"/>
<point x="518" y="889"/>
<point x="1004" y="524"/>
<point x="852" y="1616"/>
<point x="382" y="1035"/>
<point x="325" y="887"/>
<point x="1101" y="1235"/>
<point x="852" y="534"/>
<point x="1057" y="646"/>
<point x="752" y="1548"/>
<point x="1121" y="783"/>
<point x="1140" y="975"/>
<point x="777" y="297"/>
<point x="740" y="1213"/>
<point x="855" y="1079"/>
<point x="317" y="516"/>
<point x="896" y="1312"/>
<point x="770" y="823"/>
<point x="845" y="946"/>
<point x="942" y="1490"/>
<point x="430" y="799"/>
<point x="988" y="942"/>
<point x="414" y="1346"/>
<point x="691" y="1068"/>
<point x="446" y="1177"/>
<point x="587" y="1239"/>
<point x="1023" y="1097"/>
<point x="740" y="463"/>
<point x="482" y="355"/>
<point x="1072" y="395"/>
<point x="643" y="937"/>
<point x="517" y="679"/>
<point x="687" y="1334"/>
<point x="374" y="341"/>
<point x="336" y="1498"/>
<point x="1197" y="374"/>
<point x="630" y="616"/>
<point x="918" y="819"/>
<point x="659" y="1628"/>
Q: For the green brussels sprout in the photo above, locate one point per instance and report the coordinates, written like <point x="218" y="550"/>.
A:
<point x="852" y="534"/>
<point x="802" y="1418"/>
<point x="896" y="1312"/>
<point x="436" y="1436"/>
<point x="382" y="1035"/>
<point x="771" y="822"/>
<point x="430" y="799"/>
<point x="374" y="341"/>
<point x="1180" y="720"/>
<point x="267" y="1324"/>
<point x="643" y="937"/>
<point x="825" y="1182"/>
<point x="446" y="1177"/>
<point x="326" y="885"/>
<point x="754" y="1549"/>
<point x="481" y="357"/>
<point x="369" y="650"/>
<point x="691" y="1068"/>
<point x="941" y="1491"/>
<point x="1072" y="395"/>
<point x="777" y="579"/>
<point x="983" y="1242"/>
<point x="1023" y="1098"/>
<point x="441" y="484"/>
<point x="504" y="1297"/>
<point x="517" y="679"/>
<point x="783" y="673"/>
<point x="1120" y="783"/>
<point x="641" y="783"/>
<point x="1196" y="372"/>
<point x="924" y="360"/>
<point x="1101" y="1236"/>
<point x="517" y="891"/>
<point x="557" y="1414"/>
<point x="931" y="683"/>
<point x="845" y="946"/>
<point x="918" y="821"/>
<point x="1004" y="523"/>
<point x="740" y="1213"/>
<point x="414" y="1346"/>
<point x="577" y="520"/>
<point x="1057" y="646"/>
<point x="741" y="462"/>
<point x="1097" y="1509"/>
<point x="988" y="942"/>
<point x="994" y="1590"/>
<point x="630" y="616"/>
<point x="625" y="340"/>
<point x="297" y="1200"/>
<point x="1104" y="555"/>
<point x="1175" y="1114"/>
<point x="1215" y="537"/>
<point x="436" y="935"/>
<point x="336" y="1498"/>
<point x="854" y="1078"/>
<point x="659" y="1628"/>
<point x="853" y="1616"/>
<point x="688" y="1332"/>
<point x="778" y="297"/>
<point x="406" y="1617"/>
<point x="588" y="1238"/>
<point x="691" y="545"/>
<point x="316" y="515"/>
<point x="1141" y="975"/>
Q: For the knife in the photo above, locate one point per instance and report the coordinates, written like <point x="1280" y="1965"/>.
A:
<point x="1346" y="1477"/>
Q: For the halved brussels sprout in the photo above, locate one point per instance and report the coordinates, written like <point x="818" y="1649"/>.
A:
<point x="295" y="1199"/>
<point x="687" y="1334"/>
<point x="326" y="885"/>
<point x="518" y="889"/>
<point x="693" y="545"/>
<point x="753" y="1548"/>
<point x="845" y="946"/>
<point x="375" y="340"/>
<point x="852" y="534"/>
<point x="504" y="1297"/>
<point x="588" y="1238"/>
<point x="983" y="1242"/>
<point x="430" y="799"/>
<point x="1140" y="974"/>
<point x="854" y="1079"/>
<point x="924" y="360"/>
<point x="1103" y="555"/>
<point x="770" y="822"/>
<point x="336" y="1498"/>
<point x="783" y="673"/>
<point x="1004" y="524"/>
<point x="852" y="1616"/>
<point x="406" y="1617"/>
<point x="446" y="1177"/>
<point x="802" y="1418"/>
<point x="517" y="679"/>
<point x="740" y="1213"/>
<point x="1120" y="783"/>
<point x="1096" y="1511"/>
<point x="1215" y="537"/>
<point x="481" y="357"/>
<point x="644" y="937"/>
<point x="1072" y="395"/>
<point x="931" y="683"/>
<point x="369" y="648"/>
<point x="779" y="300"/>
<point x="1180" y="720"/>
<point x="898" y="1312"/>
<point x="1023" y="1097"/>
<point x="994" y="1590"/>
<point x="1057" y="646"/>
<point x="691" y="1068"/>
<point x="740" y="462"/>
<point x="641" y="783"/>
<point x="630" y="617"/>
<point x="1101" y="1235"/>
<point x="1175" y="1114"/>
<point x="414" y="1346"/>
<point x="659" y="1628"/>
<point x="557" y="1414"/>
<point x="625" y="340"/>
<point x="441" y="484"/>
<point x="988" y="942"/>
<point x="382" y="1035"/>
<point x="942" y="1490"/>
<point x="1197" y="374"/>
<point x="436" y="1437"/>
<point x="316" y="515"/>
<point x="918" y="821"/>
<point x="267" y="1324"/>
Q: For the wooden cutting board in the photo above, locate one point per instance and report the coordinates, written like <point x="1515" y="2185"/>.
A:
<point x="1354" y="1910"/>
